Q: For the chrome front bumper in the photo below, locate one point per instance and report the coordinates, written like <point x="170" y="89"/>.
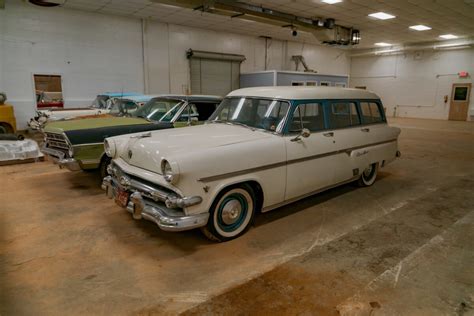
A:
<point x="167" y="218"/>
<point x="58" y="158"/>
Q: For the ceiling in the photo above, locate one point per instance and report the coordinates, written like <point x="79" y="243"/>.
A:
<point x="443" y="16"/>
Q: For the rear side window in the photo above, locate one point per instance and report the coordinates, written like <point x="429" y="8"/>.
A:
<point x="371" y="112"/>
<point x="310" y="116"/>
<point x="343" y="114"/>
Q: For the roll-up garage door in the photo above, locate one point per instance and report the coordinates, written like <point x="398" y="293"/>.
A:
<point x="214" y="73"/>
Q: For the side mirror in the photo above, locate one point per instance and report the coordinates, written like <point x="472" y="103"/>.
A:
<point x="304" y="133"/>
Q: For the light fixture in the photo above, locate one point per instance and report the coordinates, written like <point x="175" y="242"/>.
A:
<point x="331" y="1"/>
<point x="382" y="16"/>
<point x="420" y="27"/>
<point x="388" y="52"/>
<point x="448" y="36"/>
<point x="382" y="44"/>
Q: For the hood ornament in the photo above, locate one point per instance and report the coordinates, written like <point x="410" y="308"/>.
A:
<point x="142" y="135"/>
<point x="130" y="154"/>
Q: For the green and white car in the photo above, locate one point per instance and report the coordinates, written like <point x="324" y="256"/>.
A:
<point x="79" y="144"/>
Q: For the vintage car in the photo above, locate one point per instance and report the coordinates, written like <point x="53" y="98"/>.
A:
<point x="261" y="149"/>
<point x="102" y="104"/>
<point x="78" y="144"/>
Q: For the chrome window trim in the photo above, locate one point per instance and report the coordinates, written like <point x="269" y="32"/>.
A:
<point x="285" y="118"/>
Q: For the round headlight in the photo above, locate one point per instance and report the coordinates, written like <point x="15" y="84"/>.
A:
<point x="110" y="148"/>
<point x="168" y="173"/>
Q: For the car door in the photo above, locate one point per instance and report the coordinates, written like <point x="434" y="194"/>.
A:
<point x="310" y="166"/>
<point x="350" y="137"/>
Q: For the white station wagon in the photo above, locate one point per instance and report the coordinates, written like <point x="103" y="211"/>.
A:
<point x="262" y="148"/>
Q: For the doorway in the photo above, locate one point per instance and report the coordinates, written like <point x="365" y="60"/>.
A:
<point x="459" y="101"/>
<point x="48" y="90"/>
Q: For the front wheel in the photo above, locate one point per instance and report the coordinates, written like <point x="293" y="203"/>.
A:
<point x="368" y="175"/>
<point x="103" y="166"/>
<point x="231" y="214"/>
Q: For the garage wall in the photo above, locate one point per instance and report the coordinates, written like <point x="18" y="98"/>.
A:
<point x="168" y="42"/>
<point x="85" y="48"/>
<point x="96" y="53"/>
<point x="414" y="84"/>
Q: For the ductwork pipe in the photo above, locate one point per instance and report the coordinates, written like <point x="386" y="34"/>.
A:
<point x="400" y="50"/>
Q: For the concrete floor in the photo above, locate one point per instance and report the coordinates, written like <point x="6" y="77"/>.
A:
<point x="403" y="246"/>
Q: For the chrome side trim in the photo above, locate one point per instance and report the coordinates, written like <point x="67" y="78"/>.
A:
<point x="289" y="162"/>
<point x="286" y="202"/>
<point x="88" y="144"/>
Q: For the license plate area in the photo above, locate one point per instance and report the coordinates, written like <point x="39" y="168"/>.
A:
<point x="121" y="198"/>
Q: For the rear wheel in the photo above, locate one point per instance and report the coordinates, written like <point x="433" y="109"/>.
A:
<point x="231" y="214"/>
<point x="368" y="175"/>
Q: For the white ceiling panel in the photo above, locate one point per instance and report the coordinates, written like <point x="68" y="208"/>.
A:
<point x="443" y="16"/>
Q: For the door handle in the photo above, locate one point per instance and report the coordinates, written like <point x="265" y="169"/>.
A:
<point x="329" y="134"/>
<point x="365" y="130"/>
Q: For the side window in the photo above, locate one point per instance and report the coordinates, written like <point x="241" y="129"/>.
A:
<point x="188" y="113"/>
<point x="370" y="112"/>
<point x="205" y="109"/>
<point x="376" y="114"/>
<point x="308" y="115"/>
<point x="275" y="113"/>
<point x="343" y="114"/>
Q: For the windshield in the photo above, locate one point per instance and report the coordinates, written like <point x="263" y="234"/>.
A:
<point x="256" y="113"/>
<point x="159" y="110"/>
<point x="124" y="107"/>
<point x="100" y="102"/>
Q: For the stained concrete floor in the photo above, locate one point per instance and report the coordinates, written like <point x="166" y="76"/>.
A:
<point x="403" y="246"/>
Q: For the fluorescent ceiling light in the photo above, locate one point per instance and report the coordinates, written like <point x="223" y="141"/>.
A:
<point x="331" y="1"/>
<point x="448" y="36"/>
<point x="420" y="27"/>
<point x="382" y="44"/>
<point x="382" y="16"/>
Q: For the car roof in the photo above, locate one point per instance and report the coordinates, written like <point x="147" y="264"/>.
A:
<point x="140" y="98"/>
<point x="191" y="97"/>
<point x="304" y="93"/>
<point x="120" y="94"/>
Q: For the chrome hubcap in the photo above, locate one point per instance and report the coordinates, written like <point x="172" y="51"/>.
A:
<point x="368" y="171"/>
<point x="231" y="212"/>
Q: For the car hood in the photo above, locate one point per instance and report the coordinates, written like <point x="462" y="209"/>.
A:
<point x="89" y="123"/>
<point x="147" y="152"/>
<point x="95" y="130"/>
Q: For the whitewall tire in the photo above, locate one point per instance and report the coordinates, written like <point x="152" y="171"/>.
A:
<point x="231" y="214"/>
<point x="368" y="176"/>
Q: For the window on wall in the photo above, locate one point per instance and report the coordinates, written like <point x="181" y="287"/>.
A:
<point x="311" y="83"/>
<point x="460" y="93"/>
<point x="340" y="84"/>
<point x="325" y="83"/>
<point x="297" y="83"/>
<point x="370" y="112"/>
<point x="343" y="114"/>
<point x="310" y="116"/>
<point x="48" y="90"/>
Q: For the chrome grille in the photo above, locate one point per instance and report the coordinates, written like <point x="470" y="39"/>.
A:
<point x="56" y="141"/>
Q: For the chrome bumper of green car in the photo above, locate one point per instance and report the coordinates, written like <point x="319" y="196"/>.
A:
<point x="58" y="158"/>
